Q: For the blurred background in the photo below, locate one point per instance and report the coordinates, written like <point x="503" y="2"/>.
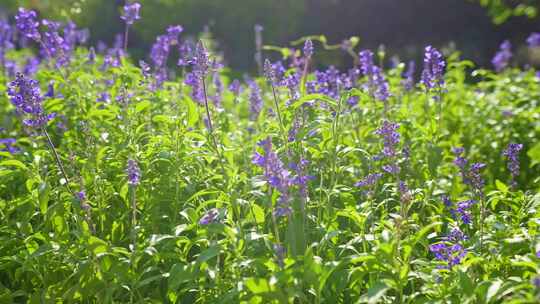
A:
<point x="404" y="27"/>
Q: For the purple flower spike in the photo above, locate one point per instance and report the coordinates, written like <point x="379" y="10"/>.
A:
<point x="502" y="57"/>
<point x="534" y="40"/>
<point x="27" y="24"/>
<point x="511" y="153"/>
<point x="308" y="48"/>
<point x="26" y="96"/>
<point x="131" y="13"/>
<point x="133" y="172"/>
<point x="433" y="73"/>
<point x="209" y="217"/>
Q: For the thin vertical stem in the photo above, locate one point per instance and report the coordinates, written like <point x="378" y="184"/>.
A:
<point x="57" y="158"/>
<point x="126" y="32"/>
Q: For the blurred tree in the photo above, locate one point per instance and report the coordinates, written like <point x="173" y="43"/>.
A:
<point x="501" y="10"/>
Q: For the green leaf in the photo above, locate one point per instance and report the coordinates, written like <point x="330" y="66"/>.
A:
<point x="179" y="273"/>
<point x="258" y="285"/>
<point x="376" y="292"/>
<point x="501" y="186"/>
<point x="96" y="245"/>
<point x="493" y="290"/>
<point x="13" y="163"/>
<point x="208" y="254"/>
<point x="534" y="154"/>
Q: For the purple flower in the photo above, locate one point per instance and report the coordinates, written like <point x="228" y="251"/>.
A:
<point x="463" y="208"/>
<point x="255" y="100"/>
<point x="160" y="51"/>
<point x="131" y="13"/>
<point x="536" y="282"/>
<point x="390" y="138"/>
<point x="369" y="180"/>
<point x="308" y="48"/>
<point x="511" y="153"/>
<point x="501" y="60"/>
<point x="218" y="89"/>
<point x="277" y="176"/>
<point x="209" y="217"/>
<point x="538" y="254"/>
<point x="451" y="254"/>
<point x="6" y="35"/>
<point x="477" y="181"/>
<point x="534" y="40"/>
<point x="133" y="172"/>
<point x="197" y="93"/>
<point x="25" y="95"/>
<point x="408" y="81"/>
<point x="173" y="32"/>
<point x="377" y="84"/>
<point x="433" y="73"/>
<point x="184" y="54"/>
<point x="9" y="145"/>
<point x="31" y="66"/>
<point x="27" y="24"/>
<point x="201" y="61"/>
<point x="235" y="87"/>
<point x="81" y="195"/>
<point x="461" y="162"/>
<point x="280" y="252"/>
<point x="269" y="73"/>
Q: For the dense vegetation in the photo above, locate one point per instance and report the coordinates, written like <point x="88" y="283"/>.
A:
<point x="147" y="184"/>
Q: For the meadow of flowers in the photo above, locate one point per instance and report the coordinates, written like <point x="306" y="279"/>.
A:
<point x="168" y="181"/>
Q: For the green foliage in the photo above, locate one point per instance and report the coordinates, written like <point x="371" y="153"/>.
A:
<point x="501" y="10"/>
<point x="343" y="245"/>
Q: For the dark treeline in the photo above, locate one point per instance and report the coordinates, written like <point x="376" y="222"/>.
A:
<point x="404" y="27"/>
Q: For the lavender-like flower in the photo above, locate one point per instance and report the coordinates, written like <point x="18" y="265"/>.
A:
<point x="370" y="180"/>
<point x="408" y="81"/>
<point x="477" y="181"/>
<point x="27" y="24"/>
<point x="462" y="210"/>
<point x="511" y="152"/>
<point x="308" y="48"/>
<point x="502" y="57"/>
<point x="451" y="254"/>
<point x="390" y="138"/>
<point x="201" y="61"/>
<point x="25" y="95"/>
<point x="277" y="176"/>
<point x="9" y="145"/>
<point x="173" y="32"/>
<point x="269" y="73"/>
<point x="433" y="73"/>
<point x="461" y="162"/>
<point x="6" y="35"/>
<point x="255" y="100"/>
<point x="534" y="40"/>
<point x="235" y="88"/>
<point x="209" y="217"/>
<point x="133" y="172"/>
<point x="377" y="84"/>
<point x="131" y="13"/>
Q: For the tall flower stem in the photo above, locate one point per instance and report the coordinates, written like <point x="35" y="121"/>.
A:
<point x="335" y="127"/>
<point x="57" y="159"/>
<point x="133" y="200"/>
<point x="216" y="147"/>
<point x="126" y="32"/>
<point x="278" y="111"/>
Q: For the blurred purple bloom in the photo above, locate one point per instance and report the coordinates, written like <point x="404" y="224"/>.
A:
<point x="511" y="152"/>
<point x="235" y="87"/>
<point x="534" y="40"/>
<point x="9" y="145"/>
<point x="81" y="195"/>
<point x="131" y="13"/>
<point x="27" y="24"/>
<point x="369" y="180"/>
<point x="503" y="56"/>
<point x="408" y="81"/>
<point x="255" y="100"/>
<point x="209" y="217"/>
<point x="308" y="48"/>
<point x="433" y="73"/>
